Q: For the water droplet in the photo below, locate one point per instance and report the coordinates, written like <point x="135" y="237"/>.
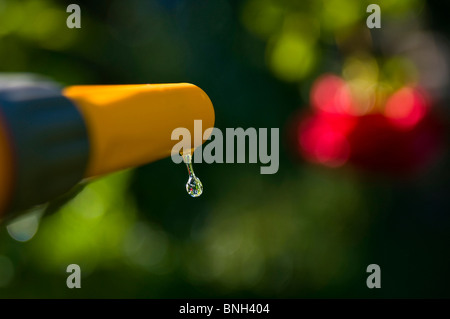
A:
<point x="193" y="186"/>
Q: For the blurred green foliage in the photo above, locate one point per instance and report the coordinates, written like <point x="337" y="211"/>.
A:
<point x="304" y="232"/>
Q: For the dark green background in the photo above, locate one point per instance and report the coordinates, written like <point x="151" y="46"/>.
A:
<point x="307" y="231"/>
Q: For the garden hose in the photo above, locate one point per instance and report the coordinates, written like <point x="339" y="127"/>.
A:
<point x="51" y="139"/>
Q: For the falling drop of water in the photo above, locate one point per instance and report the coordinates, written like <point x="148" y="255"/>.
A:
<point x="193" y="186"/>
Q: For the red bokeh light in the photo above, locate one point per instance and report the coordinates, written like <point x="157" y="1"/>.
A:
<point x="331" y="94"/>
<point x="406" y="107"/>
<point x="397" y="141"/>
<point x="323" y="141"/>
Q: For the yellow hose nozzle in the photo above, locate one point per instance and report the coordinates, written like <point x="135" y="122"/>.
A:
<point x="130" y="125"/>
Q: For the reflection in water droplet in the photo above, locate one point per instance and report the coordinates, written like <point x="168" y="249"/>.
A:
<point x="193" y="186"/>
